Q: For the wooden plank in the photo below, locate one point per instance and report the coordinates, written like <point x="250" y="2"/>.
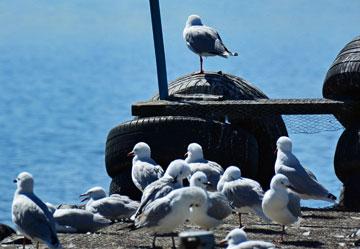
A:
<point x="244" y="107"/>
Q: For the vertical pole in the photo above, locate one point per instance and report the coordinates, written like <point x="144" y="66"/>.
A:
<point x="159" y="49"/>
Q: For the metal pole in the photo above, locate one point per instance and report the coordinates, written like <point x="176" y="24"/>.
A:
<point x="159" y="49"/>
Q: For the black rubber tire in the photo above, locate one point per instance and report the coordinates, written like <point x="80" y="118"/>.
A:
<point x="342" y="81"/>
<point x="169" y="137"/>
<point x="266" y="129"/>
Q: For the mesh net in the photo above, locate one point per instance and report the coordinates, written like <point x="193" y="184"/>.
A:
<point x="310" y="124"/>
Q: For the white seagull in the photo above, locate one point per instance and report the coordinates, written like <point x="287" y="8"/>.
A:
<point x="217" y="209"/>
<point x="144" y="169"/>
<point x="113" y="207"/>
<point x="31" y="215"/>
<point x="244" y="194"/>
<point x="165" y="214"/>
<point x="196" y="161"/>
<point x="74" y="220"/>
<point x="174" y="175"/>
<point x="280" y="203"/>
<point x="301" y="178"/>
<point x="204" y="40"/>
<point x="237" y="239"/>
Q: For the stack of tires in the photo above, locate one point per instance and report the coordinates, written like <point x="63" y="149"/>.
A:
<point x="342" y="82"/>
<point x="248" y="142"/>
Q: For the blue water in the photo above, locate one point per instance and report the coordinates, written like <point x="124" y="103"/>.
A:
<point x="69" y="71"/>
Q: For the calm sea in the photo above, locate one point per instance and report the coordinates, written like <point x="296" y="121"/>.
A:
<point x="69" y="71"/>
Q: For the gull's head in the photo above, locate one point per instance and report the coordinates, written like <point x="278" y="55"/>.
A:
<point x="94" y="193"/>
<point x="194" y="152"/>
<point x="195" y="197"/>
<point x="178" y="169"/>
<point x="199" y="179"/>
<point x="193" y="20"/>
<point x="284" y="144"/>
<point x="280" y="181"/>
<point x="25" y="182"/>
<point x="141" y="150"/>
<point x="235" y="237"/>
<point x="232" y="173"/>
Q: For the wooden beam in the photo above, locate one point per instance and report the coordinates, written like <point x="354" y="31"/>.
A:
<point x="244" y="107"/>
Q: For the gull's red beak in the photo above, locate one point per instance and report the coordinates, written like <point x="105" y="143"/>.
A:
<point x="131" y="153"/>
<point x="223" y="242"/>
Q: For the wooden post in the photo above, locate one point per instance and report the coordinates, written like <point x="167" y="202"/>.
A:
<point x="159" y="49"/>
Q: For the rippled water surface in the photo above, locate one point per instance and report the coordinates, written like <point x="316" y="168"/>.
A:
<point x="69" y="72"/>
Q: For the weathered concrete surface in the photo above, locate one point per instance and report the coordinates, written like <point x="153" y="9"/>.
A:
<point x="318" y="229"/>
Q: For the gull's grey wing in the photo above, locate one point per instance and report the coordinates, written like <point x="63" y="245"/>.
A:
<point x="153" y="213"/>
<point x="240" y="194"/>
<point x="203" y="39"/>
<point x="155" y="190"/>
<point x="255" y="244"/>
<point x="220" y="207"/>
<point x="302" y="181"/>
<point x="310" y="173"/>
<point x="212" y="170"/>
<point x="81" y="220"/>
<point x="144" y="173"/>
<point x="113" y="208"/>
<point x="294" y="204"/>
<point x="31" y="215"/>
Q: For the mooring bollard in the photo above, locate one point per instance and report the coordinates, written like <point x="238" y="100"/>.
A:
<point x="342" y="82"/>
<point x="197" y="239"/>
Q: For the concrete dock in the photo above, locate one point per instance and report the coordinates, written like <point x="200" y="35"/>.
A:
<point x="320" y="228"/>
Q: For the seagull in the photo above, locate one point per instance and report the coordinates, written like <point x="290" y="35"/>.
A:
<point x="280" y="203"/>
<point x="74" y="220"/>
<point x="172" y="179"/>
<point x="113" y="207"/>
<point x="301" y="178"/>
<point x="244" y="194"/>
<point x="196" y="161"/>
<point x="237" y="239"/>
<point x="218" y="207"/>
<point x="204" y="40"/>
<point x="31" y="215"/>
<point x="144" y="169"/>
<point x="165" y="214"/>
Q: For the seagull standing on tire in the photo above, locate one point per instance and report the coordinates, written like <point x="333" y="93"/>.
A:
<point x="204" y="40"/>
<point x="196" y="161"/>
<point x="301" y="178"/>
<point x="30" y="215"/>
<point x="144" y="169"/>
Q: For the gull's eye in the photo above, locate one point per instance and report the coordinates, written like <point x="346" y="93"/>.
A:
<point x="191" y="205"/>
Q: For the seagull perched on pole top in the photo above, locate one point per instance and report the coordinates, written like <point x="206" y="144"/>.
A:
<point x="204" y="40"/>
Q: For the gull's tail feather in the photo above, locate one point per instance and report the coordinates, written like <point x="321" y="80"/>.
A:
<point x="259" y="212"/>
<point x="228" y="53"/>
<point x="331" y="198"/>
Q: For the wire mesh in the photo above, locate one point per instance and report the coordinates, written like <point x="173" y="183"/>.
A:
<point x="310" y="124"/>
